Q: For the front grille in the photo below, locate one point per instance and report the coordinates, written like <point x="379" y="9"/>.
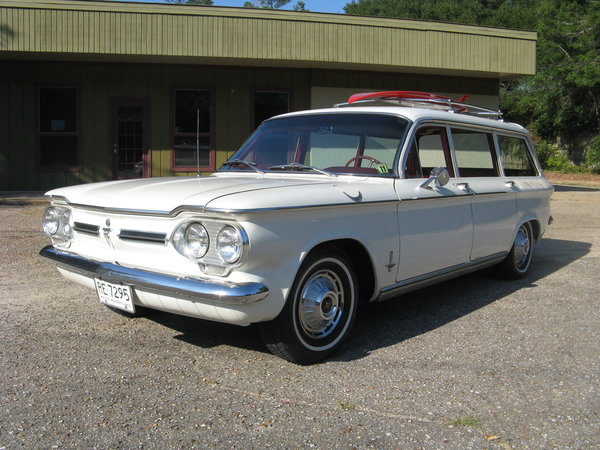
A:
<point x="86" y="228"/>
<point x="143" y="236"/>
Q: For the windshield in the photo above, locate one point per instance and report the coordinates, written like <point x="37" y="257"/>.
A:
<point x="364" y="144"/>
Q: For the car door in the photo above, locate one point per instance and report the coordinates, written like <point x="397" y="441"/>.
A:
<point x="494" y="200"/>
<point x="435" y="222"/>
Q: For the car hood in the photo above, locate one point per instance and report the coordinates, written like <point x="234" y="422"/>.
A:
<point x="219" y="192"/>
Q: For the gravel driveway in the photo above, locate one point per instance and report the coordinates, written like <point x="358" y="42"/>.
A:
<point x="476" y="362"/>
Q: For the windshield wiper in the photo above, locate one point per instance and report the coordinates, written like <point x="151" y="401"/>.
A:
<point x="244" y="163"/>
<point x="303" y="167"/>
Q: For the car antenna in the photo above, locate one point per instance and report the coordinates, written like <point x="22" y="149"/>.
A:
<point x="198" y="142"/>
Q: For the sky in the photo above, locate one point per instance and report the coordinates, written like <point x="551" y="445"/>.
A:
<point x="328" y="6"/>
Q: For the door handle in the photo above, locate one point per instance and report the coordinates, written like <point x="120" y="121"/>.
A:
<point x="509" y="184"/>
<point x="462" y="186"/>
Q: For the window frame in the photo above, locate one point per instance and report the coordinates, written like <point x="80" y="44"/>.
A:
<point x="212" y="133"/>
<point x="78" y="166"/>
<point x="253" y="93"/>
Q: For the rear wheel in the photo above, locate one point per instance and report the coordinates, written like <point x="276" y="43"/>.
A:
<point x="319" y="310"/>
<point x="518" y="260"/>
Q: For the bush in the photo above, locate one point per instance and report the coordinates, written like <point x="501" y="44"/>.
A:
<point x="560" y="163"/>
<point x="553" y="157"/>
<point x="592" y="156"/>
<point x="544" y="152"/>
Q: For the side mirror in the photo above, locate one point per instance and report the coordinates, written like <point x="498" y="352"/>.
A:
<point x="439" y="175"/>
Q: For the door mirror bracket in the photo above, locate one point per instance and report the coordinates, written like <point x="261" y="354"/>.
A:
<point x="439" y="175"/>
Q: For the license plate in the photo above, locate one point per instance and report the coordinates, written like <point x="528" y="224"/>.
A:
<point x="116" y="295"/>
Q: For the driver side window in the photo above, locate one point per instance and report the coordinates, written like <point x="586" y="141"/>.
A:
<point x="429" y="149"/>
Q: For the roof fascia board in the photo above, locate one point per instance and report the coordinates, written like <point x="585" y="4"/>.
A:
<point x="266" y="14"/>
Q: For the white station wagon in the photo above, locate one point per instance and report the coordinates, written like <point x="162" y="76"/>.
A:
<point x="317" y="211"/>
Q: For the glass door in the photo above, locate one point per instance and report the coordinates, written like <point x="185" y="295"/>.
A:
<point x="131" y="157"/>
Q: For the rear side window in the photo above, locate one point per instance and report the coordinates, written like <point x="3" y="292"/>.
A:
<point x="516" y="158"/>
<point x="475" y="153"/>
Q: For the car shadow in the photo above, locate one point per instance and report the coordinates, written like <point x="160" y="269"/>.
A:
<point x="425" y="310"/>
<point x="206" y="333"/>
<point x="566" y="188"/>
<point x="380" y="325"/>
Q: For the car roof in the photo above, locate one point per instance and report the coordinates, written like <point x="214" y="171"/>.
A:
<point x="415" y="114"/>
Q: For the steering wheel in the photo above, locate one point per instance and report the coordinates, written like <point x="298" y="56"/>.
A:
<point x="369" y="158"/>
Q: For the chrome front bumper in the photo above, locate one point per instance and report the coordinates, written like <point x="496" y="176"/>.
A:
<point x="190" y="288"/>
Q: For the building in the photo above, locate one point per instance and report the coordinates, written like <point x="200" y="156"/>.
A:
<point x="93" y="91"/>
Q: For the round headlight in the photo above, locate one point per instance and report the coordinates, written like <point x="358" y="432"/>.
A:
<point x="191" y="240"/>
<point x="50" y="221"/>
<point x="230" y="244"/>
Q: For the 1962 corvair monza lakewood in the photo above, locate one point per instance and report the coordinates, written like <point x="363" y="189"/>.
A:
<point x="317" y="211"/>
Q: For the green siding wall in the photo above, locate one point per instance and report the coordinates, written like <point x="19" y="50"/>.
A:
<point x="5" y="114"/>
<point x="410" y="82"/>
<point x="237" y="36"/>
<point x="101" y="84"/>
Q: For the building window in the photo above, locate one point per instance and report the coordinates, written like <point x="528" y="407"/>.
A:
<point x="58" y="127"/>
<point x="268" y="104"/>
<point x="193" y="125"/>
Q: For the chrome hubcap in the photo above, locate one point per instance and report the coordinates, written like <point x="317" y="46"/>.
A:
<point x="522" y="247"/>
<point x="321" y="304"/>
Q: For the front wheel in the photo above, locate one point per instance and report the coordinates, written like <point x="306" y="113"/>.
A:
<point x="319" y="311"/>
<point x="518" y="260"/>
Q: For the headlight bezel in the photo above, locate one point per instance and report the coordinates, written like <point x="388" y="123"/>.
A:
<point x="241" y="242"/>
<point x="50" y="225"/>
<point x="212" y="261"/>
<point x="180" y="239"/>
<point x="57" y="224"/>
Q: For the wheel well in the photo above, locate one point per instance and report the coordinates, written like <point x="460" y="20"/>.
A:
<point x="535" y="226"/>
<point x="361" y="262"/>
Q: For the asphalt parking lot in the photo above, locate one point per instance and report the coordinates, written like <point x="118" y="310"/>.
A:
<point x="476" y="362"/>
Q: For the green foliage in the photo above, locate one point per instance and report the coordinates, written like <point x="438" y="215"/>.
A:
<point x="561" y="100"/>
<point x="192" y="2"/>
<point x="465" y="421"/>
<point x="544" y="151"/>
<point x="267" y="4"/>
<point x="592" y="156"/>
<point x="465" y="11"/>
<point x="300" y="6"/>
<point x="275" y="4"/>
<point x="561" y="103"/>
<point x="553" y="157"/>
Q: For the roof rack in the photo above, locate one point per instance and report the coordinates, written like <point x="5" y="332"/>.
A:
<point x="418" y="99"/>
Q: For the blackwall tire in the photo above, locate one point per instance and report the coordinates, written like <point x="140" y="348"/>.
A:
<point x="319" y="311"/>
